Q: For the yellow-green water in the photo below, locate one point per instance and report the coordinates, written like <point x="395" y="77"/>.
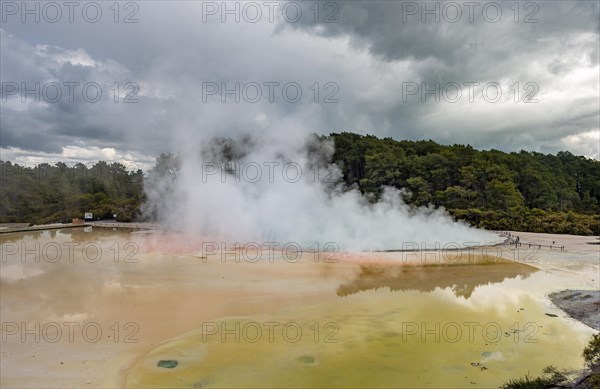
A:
<point x="416" y="329"/>
<point x="371" y="325"/>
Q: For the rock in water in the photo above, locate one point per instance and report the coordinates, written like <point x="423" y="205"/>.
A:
<point x="307" y="359"/>
<point x="167" y="363"/>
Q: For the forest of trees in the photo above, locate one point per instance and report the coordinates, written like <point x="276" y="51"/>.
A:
<point x="59" y="193"/>
<point x="524" y="191"/>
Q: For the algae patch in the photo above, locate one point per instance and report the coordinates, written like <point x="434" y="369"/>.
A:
<point x="167" y="363"/>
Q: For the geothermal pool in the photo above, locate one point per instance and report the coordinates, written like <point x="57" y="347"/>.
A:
<point x="115" y="308"/>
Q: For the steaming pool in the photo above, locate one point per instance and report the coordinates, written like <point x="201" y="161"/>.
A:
<point x="115" y="308"/>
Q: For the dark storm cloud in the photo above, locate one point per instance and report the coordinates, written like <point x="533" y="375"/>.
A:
<point x="38" y="123"/>
<point x="369" y="53"/>
<point x="561" y="42"/>
<point x="399" y="30"/>
<point x="25" y="133"/>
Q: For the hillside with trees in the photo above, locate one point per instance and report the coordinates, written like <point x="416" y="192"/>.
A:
<point x="59" y="193"/>
<point x="523" y="191"/>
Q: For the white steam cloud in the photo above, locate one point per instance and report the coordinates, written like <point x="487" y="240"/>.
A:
<point x="271" y="192"/>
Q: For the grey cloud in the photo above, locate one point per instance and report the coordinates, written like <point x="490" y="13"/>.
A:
<point x="369" y="53"/>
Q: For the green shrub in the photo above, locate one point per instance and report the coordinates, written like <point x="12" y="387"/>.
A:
<point x="551" y="378"/>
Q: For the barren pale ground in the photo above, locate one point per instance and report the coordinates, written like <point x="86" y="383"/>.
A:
<point x="580" y="259"/>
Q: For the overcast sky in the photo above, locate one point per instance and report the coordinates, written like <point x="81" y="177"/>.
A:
<point x="360" y="66"/>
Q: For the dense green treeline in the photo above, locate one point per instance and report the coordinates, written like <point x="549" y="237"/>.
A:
<point x="58" y="193"/>
<point x="525" y="191"/>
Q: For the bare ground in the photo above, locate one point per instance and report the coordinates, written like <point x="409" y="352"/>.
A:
<point x="579" y="260"/>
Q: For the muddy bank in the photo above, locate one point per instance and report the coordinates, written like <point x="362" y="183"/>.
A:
<point x="582" y="305"/>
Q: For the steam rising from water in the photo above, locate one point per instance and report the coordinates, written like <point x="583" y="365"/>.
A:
<point x="268" y="190"/>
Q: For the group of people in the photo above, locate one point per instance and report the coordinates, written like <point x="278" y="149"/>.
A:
<point x="512" y="239"/>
